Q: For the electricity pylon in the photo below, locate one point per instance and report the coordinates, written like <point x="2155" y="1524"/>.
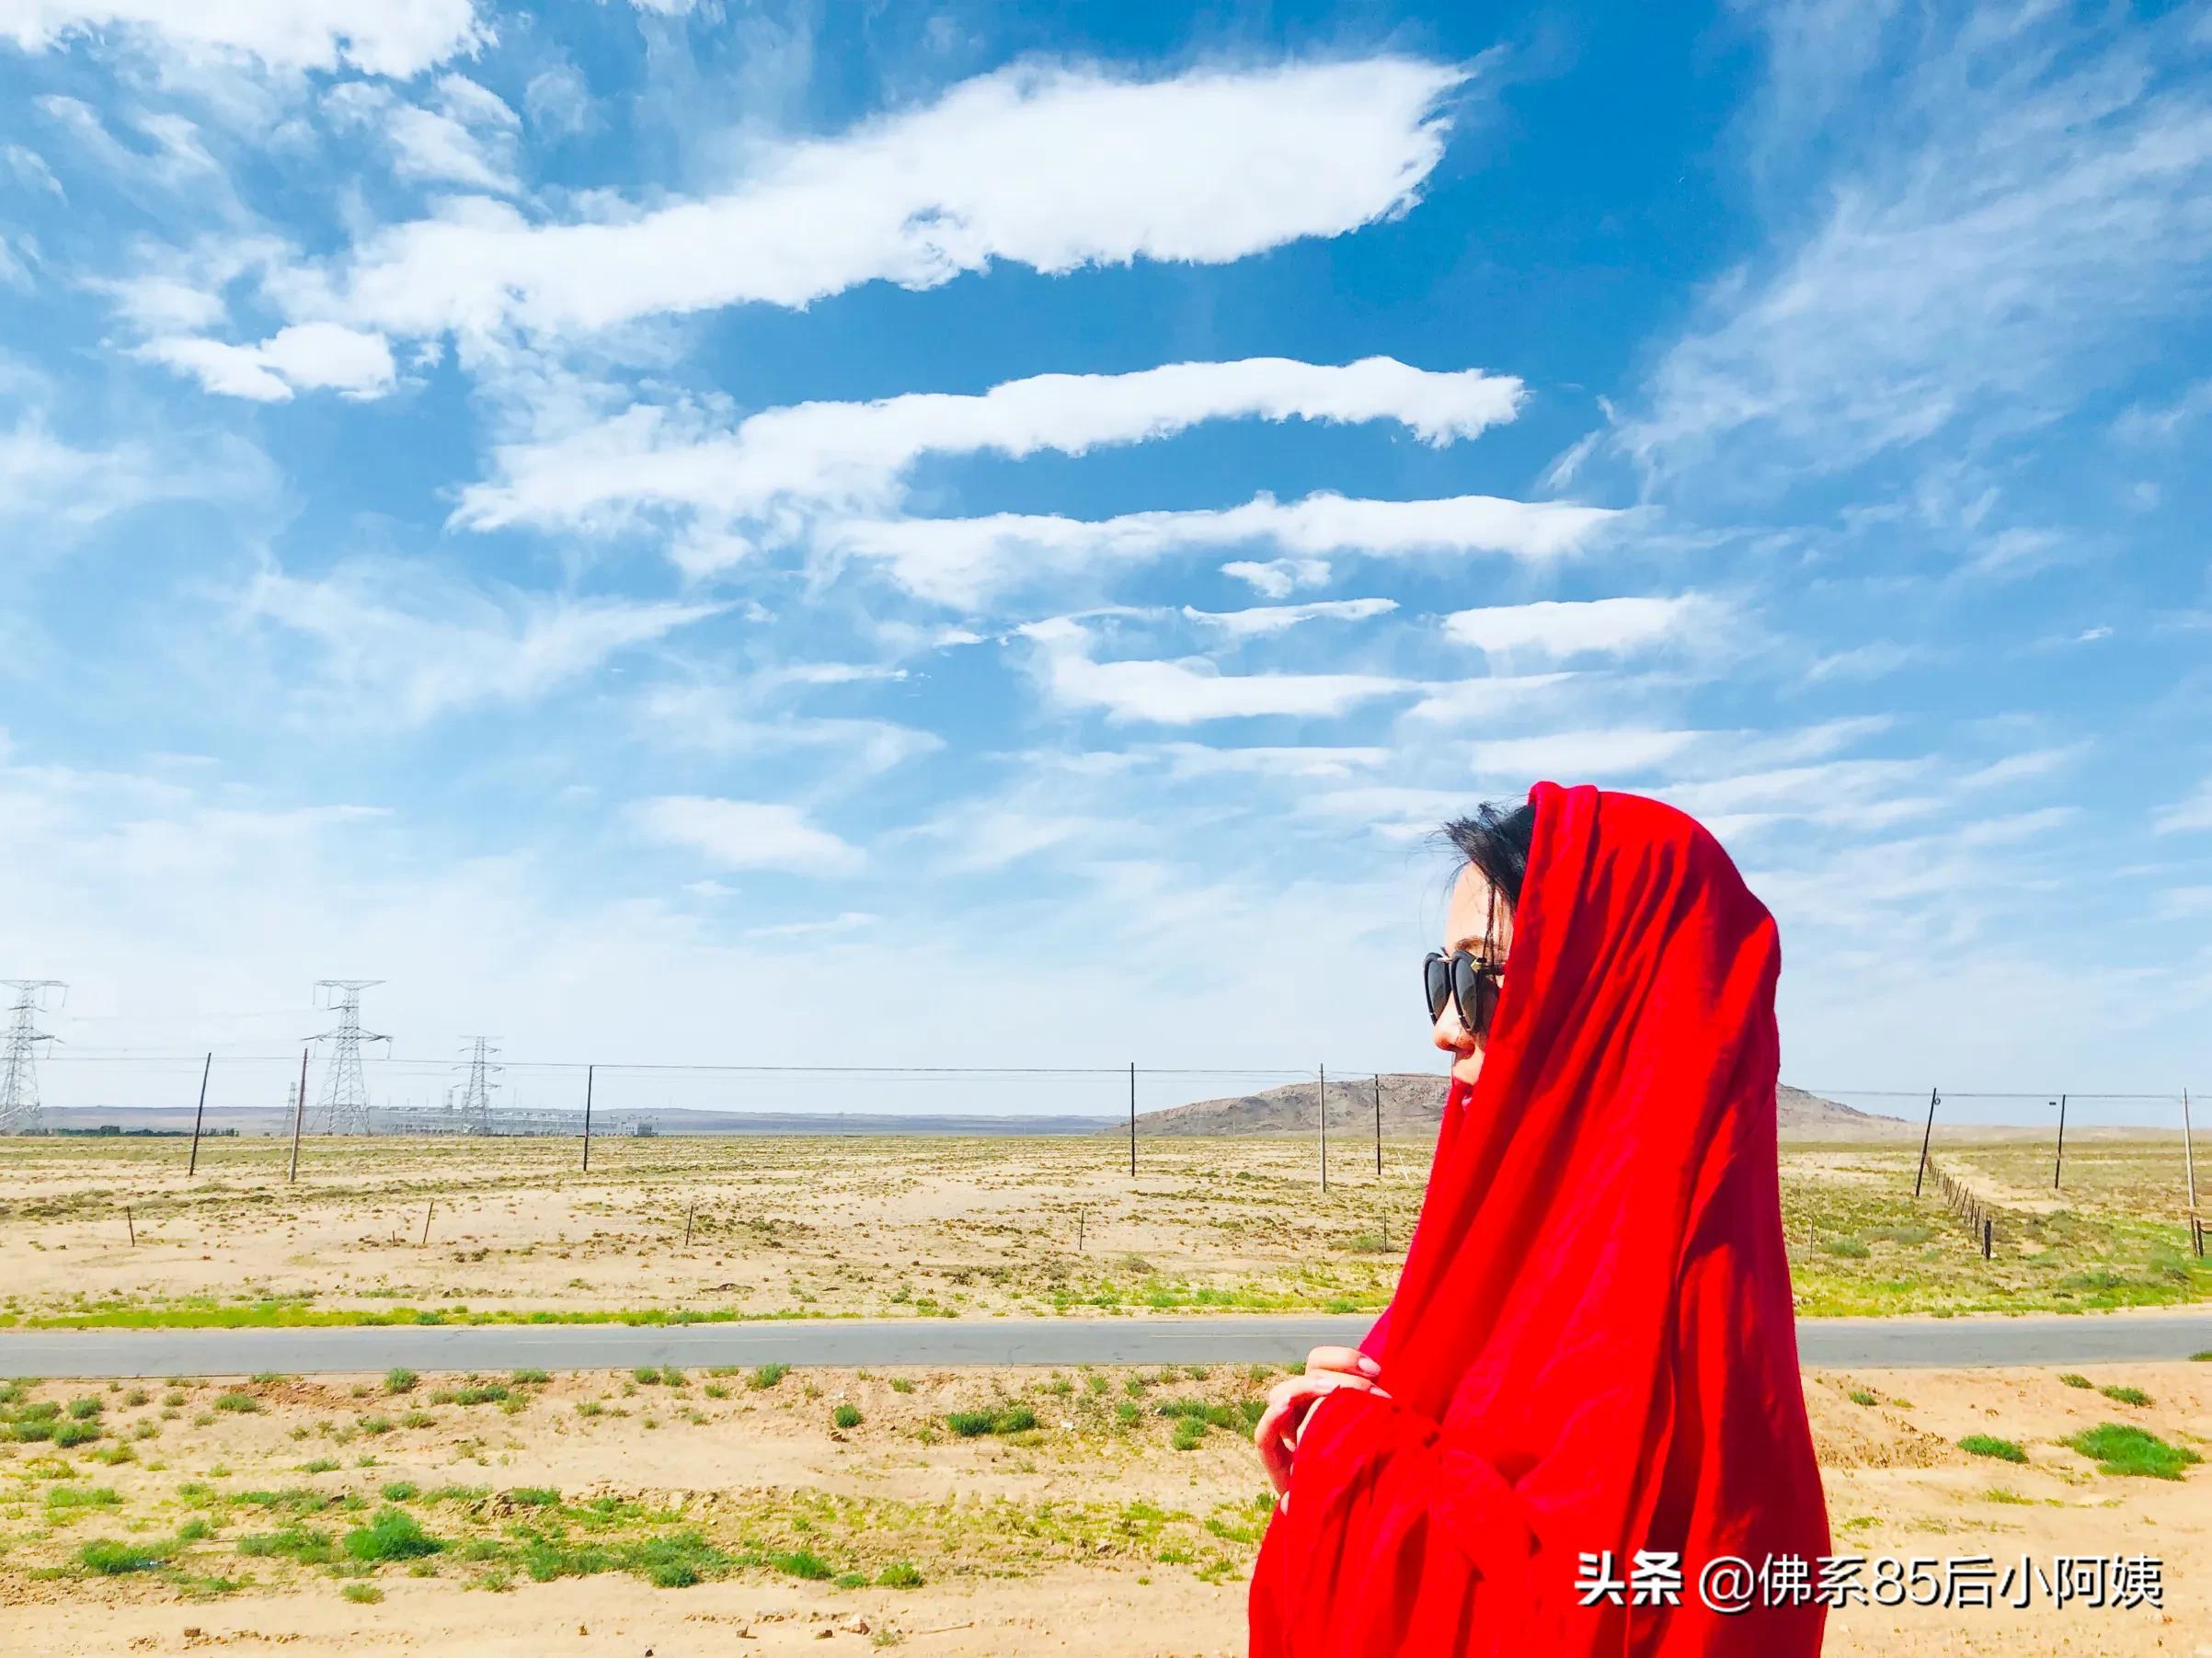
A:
<point x="344" y="1107"/>
<point x="475" y="1105"/>
<point x="20" y="1111"/>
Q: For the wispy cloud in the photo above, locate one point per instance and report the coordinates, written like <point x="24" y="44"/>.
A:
<point x="393" y="646"/>
<point x="2024" y="190"/>
<point x="398" y="40"/>
<point x="1552" y="629"/>
<point x="854" y="457"/>
<point x="1265" y="620"/>
<point x="744" y="834"/>
<point x="2191" y="812"/>
<point x="1190" y="690"/>
<point x="1054" y="168"/>
<point x="965" y="563"/>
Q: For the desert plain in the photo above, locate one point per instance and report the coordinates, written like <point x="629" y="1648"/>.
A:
<point x="1104" y="1510"/>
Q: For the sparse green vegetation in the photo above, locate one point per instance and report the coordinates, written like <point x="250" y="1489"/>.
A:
<point x="1988" y="1445"/>
<point x="2122" y="1448"/>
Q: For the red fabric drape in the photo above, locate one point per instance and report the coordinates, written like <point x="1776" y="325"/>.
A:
<point x="1592" y="1344"/>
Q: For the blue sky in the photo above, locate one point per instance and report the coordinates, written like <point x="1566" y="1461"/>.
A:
<point x="942" y="535"/>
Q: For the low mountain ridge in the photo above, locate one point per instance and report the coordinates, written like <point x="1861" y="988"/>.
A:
<point x="1413" y="1104"/>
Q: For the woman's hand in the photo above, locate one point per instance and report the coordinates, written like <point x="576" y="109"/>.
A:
<point x="1327" y="1369"/>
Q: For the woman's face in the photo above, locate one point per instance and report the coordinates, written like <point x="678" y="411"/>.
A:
<point x="1471" y="911"/>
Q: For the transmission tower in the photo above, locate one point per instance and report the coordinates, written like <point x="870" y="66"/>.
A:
<point x="475" y="1106"/>
<point x="344" y="1107"/>
<point x="20" y="1111"/>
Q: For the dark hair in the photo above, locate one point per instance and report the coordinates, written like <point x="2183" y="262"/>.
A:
<point x="1495" y="841"/>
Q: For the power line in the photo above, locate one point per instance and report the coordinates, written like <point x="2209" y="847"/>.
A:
<point x="475" y="1109"/>
<point x="20" y="1111"/>
<point x="344" y="1107"/>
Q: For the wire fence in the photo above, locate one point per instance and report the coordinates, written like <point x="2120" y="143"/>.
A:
<point x="1349" y="1114"/>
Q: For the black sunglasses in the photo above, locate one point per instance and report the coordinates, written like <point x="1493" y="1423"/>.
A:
<point x="1469" y="981"/>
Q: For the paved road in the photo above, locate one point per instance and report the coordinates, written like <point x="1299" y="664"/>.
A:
<point x="1835" y="1342"/>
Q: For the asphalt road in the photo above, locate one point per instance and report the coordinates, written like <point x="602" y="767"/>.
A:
<point x="1831" y="1342"/>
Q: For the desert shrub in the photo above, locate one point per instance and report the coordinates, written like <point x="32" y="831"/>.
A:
<point x="400" y="1380"/>
<point x="899" y="1574"/>
<point x="845" y="1416"/>
<point x="113" y="1559"/>
<point x="2122" y="1448"/>
<point x="1988" y="1445"/>
<point x="803" y="1562"/>
<point x="2127" y="1396"/>
<point x="768" y="1375"/>
<point x="393" y="1535"/>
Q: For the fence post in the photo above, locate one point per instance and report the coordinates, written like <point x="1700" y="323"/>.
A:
<point x="2059" y="1162"/>
<point x="588" y="1071"/>
<point x="193" y="1167"/>
<point x="1324" y="1128"/>
<point x="299" y="1110"/>
<point x="1988" y="1233"/>
<point x="427" y="1209"/>
<point x="1926" y="1134"/>
<point x="132" y="1224"/>
<point x="689" y="1210"/>
<point x="2189" y="1161"/>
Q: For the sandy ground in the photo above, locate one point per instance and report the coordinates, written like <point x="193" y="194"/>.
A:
<point x="1090" y="1534"/>
<point x="887" y="1227"/>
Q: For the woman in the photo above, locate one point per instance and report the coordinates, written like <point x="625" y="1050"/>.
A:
<point x="1592" y="1350"/>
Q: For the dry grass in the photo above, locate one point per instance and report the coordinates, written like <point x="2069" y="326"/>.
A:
<point x="948" y="1227"/>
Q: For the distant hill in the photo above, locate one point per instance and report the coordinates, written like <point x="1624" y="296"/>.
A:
<point x="1413" y="1104"/>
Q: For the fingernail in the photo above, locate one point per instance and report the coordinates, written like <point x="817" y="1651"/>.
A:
<point x="1369" y="1366"/>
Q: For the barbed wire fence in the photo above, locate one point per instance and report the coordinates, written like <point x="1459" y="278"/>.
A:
<point x="586" y="1101"/>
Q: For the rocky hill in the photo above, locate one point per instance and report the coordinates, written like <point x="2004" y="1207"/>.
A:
<point x="1413" y="1104"/>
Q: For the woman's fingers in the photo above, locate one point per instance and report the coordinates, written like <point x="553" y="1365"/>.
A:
<point x="1283" y="1417"/>
<point x="1350" y="1361"/>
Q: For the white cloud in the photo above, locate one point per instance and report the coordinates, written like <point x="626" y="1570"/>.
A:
<point x="307" y="356"/>
<point x="1472" y="702"/>
<point x="2162" y="423"/>
<point x="32" y="171"/>
<point x="2193" y="812"/>
<point x="1049" y="167"/>
<point x="399" y="647"/>
<point x="557" y="101"/>
<point x="1555" y="631"/>
<point x="467" y="138"/>
<point x="56" y="485"/>
<point x="738" y="717"/>
<point x="396" y="37"/>
<point x="743" y="834"/>
<point x="1190" y="690"/>
<point x="2024" y="189"/>
<point x="855" y="457"/>
<point x="1581" y="756"/>
<point x="1279" y="578"/>
<point x="1205" y="760"/>
<point x="1268" y="620"/>
<point x="964" y="562"/>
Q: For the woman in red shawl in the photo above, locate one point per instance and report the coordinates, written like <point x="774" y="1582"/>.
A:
<point x="1591" y="1351"/>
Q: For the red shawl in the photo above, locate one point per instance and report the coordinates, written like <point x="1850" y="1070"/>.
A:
<point x="1592" y="1345"/>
